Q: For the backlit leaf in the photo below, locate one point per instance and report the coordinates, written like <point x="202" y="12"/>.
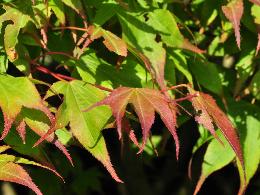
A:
<point x="15" y="14"/>
<point x="145" y="102"/>
<point x="58" y="9"/>
<point x="245" y="117"/>
<point x="209" y="112"/>
<point x="169" y="31"/>
<point x="17" y="93"/>
<point x="141" y="36"/>
<point x="111" y="41"/>
<point x="234" y="11"/>
<point x="12" y="172"/>
<point x="86" y="127"/>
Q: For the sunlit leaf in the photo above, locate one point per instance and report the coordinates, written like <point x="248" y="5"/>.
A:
<point x="145" y="102"/>
<point x="111" y="41"/>
<point x="7" y="170"/>
<point x="234" y="11"/>
<point x="209" y="112"/>
<point x="86" y="127"/>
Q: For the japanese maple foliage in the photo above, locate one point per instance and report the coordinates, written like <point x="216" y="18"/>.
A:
<point x="69" y="69"/>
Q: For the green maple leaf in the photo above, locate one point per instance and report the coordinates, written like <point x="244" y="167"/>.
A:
<point x="16" y="95"/>
<point x="86" y="127"/>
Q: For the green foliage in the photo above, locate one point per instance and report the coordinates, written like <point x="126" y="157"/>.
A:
<point x="69" y="69"/>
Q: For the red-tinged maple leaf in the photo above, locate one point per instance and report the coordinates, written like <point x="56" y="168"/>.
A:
<point x="234" y="11"/>
<point x="17" y="94"/>
<point x="257" y="2"/>
<point x="145" y="102"/>
<point x="15" y="173"/>
<point x="209" y="112"/>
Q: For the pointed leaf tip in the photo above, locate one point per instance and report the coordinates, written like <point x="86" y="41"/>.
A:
<point x="210" y="112"/>
<point x="21" y="130"/>
<point x="258" y="44"/>
<point x="21" y="176"/>
<point x="234" y="11"/>
<point x="7" y="125"/>
<point x="145" y="103"/>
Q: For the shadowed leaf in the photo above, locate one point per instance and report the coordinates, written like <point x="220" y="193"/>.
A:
<point x="216" y="157"/>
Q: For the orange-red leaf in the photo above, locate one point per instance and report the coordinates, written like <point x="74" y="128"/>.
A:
<point x="234" y="11"/>
<point x="209" y="112"/>
<point x="145" y="102"/>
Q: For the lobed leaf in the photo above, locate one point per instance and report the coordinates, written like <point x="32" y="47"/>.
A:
<point x="145" y="102"/>
<point x="15" y="94"/>
<point x="86" y="127"/>
<point x="18" y="93"/>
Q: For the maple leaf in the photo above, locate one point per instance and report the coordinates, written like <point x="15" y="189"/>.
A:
<point x="145" y="102"/>
<point x="21" y="176"/>
<point x="234" y="11"/>
<point x="209" y="112"/>
<point x="86" y="127"/>
<point x="18" y="93"/>
<point x="9" y="164"/>
<point x="111" y="41"/>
